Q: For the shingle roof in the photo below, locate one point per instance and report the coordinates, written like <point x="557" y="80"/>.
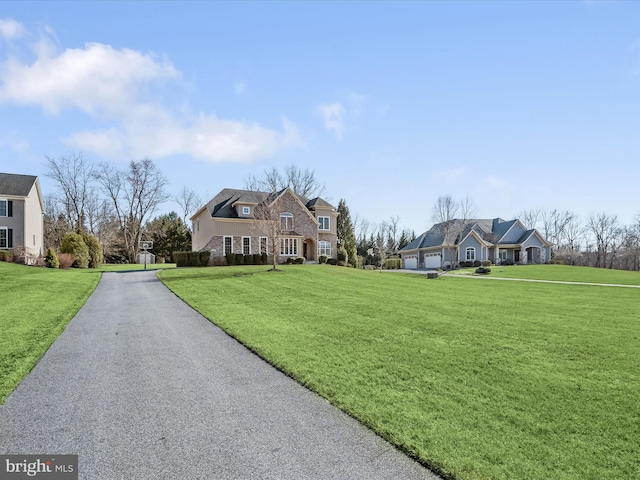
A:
<point x="13" y="184"/>
<point x="221" y="205"/>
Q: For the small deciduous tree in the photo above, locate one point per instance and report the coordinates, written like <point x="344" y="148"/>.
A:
<point x="269" y="225"/>
<point x="346" y="236"/>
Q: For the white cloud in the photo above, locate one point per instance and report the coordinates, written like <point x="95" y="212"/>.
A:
<point x="239" y="87"/>
<point x="115" y="85"/>
<point x="499" y="185"/>
<point x="11" y="29"/>
<point x="333" y="115"/>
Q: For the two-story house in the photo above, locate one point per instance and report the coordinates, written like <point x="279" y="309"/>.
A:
<point x="21" y="215"/>
<point x="234" y="221"/>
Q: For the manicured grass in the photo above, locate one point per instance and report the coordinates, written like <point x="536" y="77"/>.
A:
<point x="37" y="304"/>
<point x="134" y="267"/>
<point x="564" y="273"/>
<point x="477" y="379"/>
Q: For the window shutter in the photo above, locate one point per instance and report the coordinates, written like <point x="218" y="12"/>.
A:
<point x="10" y="238"/>
<point x="10" y="208"/>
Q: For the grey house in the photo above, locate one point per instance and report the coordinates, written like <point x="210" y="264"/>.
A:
<point x="21" y="215"/>
<point x="498" y="240"/>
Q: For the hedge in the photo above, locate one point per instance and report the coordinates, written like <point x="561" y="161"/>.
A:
<point x="191" y="259"/>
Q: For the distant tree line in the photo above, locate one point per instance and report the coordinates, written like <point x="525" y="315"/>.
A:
<point x="113" y="206"/>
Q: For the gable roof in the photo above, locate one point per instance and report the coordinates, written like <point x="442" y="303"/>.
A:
<point x="489" y="230"/>
<point x="17" y="185"/>
<point x="223" y="204"/>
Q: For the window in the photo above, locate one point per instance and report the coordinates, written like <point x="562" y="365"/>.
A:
<point x="324" y="248"/>
<point x="5" y="237"/>
<point x="263" y="245"/>
<point x="4" y="208"/>
<point x="471" y="253"/>
<point x="228" y="245"/>
<point x="246" y="210"/>
<point x="289" y="246"/>
<point x="503" y="254"/>
<point x="323" y="223"/>
<point x="246" y="245"/>
<point x="286" y="221"/>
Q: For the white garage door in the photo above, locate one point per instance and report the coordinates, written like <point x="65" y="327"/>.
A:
<point x="411" y="262"/>
<point x="432" y="260"/>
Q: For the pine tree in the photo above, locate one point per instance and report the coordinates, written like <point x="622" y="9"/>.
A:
<point x="346" y="237"/>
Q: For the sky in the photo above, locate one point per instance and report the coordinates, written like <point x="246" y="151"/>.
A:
<point x="517" y="105"/>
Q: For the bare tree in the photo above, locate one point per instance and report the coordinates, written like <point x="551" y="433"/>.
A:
<point x="135" y="194"/>
<point x="189" y="201"/>
<point x="453" y="218"/>
<point x="554" y="224"/>
<point x="606" y="232"/>
<point x="302" y="182"/>
<point x="55" y="222"/>
<point x="530" y="218"/>
<point x="269" y="225"/>
<point x="74" y="175"/>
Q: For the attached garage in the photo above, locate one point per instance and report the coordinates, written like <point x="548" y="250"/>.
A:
<point x="432" y="260"/>
<point x="411" y="261"/>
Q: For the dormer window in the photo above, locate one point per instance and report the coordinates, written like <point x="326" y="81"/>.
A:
<point x="323" y="223"/>
<point x="246" y="210"/>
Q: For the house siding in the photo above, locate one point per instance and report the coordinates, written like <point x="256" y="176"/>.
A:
<point x="513" y="235"/>
<point x="34" y="224"/>
<point x="16" y="222"/>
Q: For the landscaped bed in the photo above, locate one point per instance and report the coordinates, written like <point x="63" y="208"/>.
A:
<point x="477" y="379"/>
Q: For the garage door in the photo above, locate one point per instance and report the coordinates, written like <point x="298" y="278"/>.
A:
<point x="432" y="260"/>
<point x="411" y="262"/>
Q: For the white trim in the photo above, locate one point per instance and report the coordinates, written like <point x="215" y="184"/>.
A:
<point x="246" y="210"/>
<point x="266" y="245"/>
<point x="287" y="215"/>
<point x="466" y="253"/>
<point x="324" y="248"/>
<point x="289" y="247"/>
<point x="6" y="207"/>
<point x="224" y="244"/>
<point x="321" y="222"/>
<point x="6" y="237"/>
<point x="243" y="245"/>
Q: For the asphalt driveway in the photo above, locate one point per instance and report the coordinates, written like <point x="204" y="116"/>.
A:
<point x="141" y="386"/>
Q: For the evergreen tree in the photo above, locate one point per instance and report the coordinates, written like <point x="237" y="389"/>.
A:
<point x="169" y="234"/>
<point x="346" y="237"/>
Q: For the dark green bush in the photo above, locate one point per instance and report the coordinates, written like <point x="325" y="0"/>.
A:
<point x="231" y="258"/>
<point x="483" y="270"/>
<point x="248" y="259"/>
<point x="6" y="256"/>
<point x="73" y="243"/>
<point x="332" y="261"/>
<point x="51" y="260"/>
<point x="299" y="260"/>
<point x="322" y="259"/>
<point x="257" y="259"/>
<point x="187" y="259"/>
<point x="96" y="258"/>
<point x="204" y="258"/>
<point x="392" y="263"/>
<point x="477" y="263"/>
<point x="239" y="259"/>
<point x="342" y="254"/>
<point x="486" y="263"/>
<point x="264" y="258"/>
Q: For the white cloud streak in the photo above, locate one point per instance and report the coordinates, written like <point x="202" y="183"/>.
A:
<point x="11" y="29"/>
<point x="115" y="85"/>
<point x="333" y="115"/>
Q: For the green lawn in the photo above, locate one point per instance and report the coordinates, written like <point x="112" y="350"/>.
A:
<point x="564" y="273"/>
<point x="477" y="379"/>
<point x="37" y="304"/>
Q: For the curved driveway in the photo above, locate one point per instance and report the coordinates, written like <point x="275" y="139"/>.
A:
<point x="141" y="386"/>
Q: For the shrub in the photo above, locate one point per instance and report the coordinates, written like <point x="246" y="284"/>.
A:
<point x="239" y="259"/>
<point x="51" y="260"/>
<point x="73" y="243"/>
<point x="6" y="256"/>
<point x="231" y="258"/>
<point x="507" y="261"/>
<point x="248" y="259"/>
<point x="95" y="250"/>
<point x="160" y="259"/>
<point x="322" y="259"/>
<point x="257" y="259"/>
<point x="218" y="261"/>
<point x="299" y="260"/>
<point x="264" y="258"/>
<point x="204" y="258"/>
<point x="65" y="260"/>
<point x="187" y="259"/>
<point x="486" y="263"/>
<point x="483" y="270"/>
<point x="341" y="263"/>
<point x="342" y="254"/>
<point x="392" y="263"/>
<point x="332" y="261"/>
<point x="289" y="260"/>
<point x="477" y="263"/>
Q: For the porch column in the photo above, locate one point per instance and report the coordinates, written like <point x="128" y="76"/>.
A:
<point x="523" y="256"/>
<point x="543" y="255"/>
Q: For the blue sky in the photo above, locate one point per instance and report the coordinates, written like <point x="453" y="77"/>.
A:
<point x="518" y="105"/>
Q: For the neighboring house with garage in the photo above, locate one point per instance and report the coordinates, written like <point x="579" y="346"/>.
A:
<point x="447" y="244"/>
<point x="233" y="222"/>
<point x="21" y="215"/>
